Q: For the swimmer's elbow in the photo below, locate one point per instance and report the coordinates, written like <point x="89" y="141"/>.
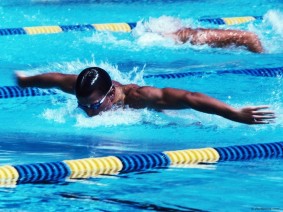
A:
<point x="254" y="43"/>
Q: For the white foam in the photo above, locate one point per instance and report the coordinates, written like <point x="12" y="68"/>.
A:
<point x="149" y="33"/>
<point x="75" y="67"/>
<point x="115" y="117"/>
<point x="270" y="31"/>
<point x="109" y="39"/>
<point x="61" y="114"/>
<point x="275" y="17"/>
<point x="110" y="118"/>
<point x="70" y="114"/>
<point x="153" y="39"/>
<point x="56" y="115"/>
<point x="163" y="24"/>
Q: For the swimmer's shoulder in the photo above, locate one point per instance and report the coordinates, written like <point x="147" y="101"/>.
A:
<point x="116" y="83"/>
<point x="125" y="86"/>
<point x="131" y="87"/>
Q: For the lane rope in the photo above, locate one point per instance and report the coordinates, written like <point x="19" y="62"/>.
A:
<point x="231" y="20"/>
<point x="258" y="72"/>
<point x="11" y="175"/>
<point x="114" y="27"/>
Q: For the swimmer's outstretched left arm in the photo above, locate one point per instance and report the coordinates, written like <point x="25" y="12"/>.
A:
<point x="170" y="98"/>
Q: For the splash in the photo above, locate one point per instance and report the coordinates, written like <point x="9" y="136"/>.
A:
<point x="73" y="116"/>
<point x="57" y="115"/>
<point x="61" y="114"/>
<point x="110" y="118"/>
<point x="275" y="17"/>
<point x="115" y="117"/>
<point x="151" y="32"/>
<point x="109" y="39"/>
<point x="75" y="67"/>
<point x="163" y="24"/>
<point x="270" y="31"/>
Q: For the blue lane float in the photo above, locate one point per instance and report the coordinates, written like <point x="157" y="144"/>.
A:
<point x="247" y="152"/>
<point x="258" y="72"/>
<point x="51" y="172"/>
<point x="115" y="27"/>
<point x="16" y="91"/>
<point x="143" y="161"/>
<point x="231" y="20"/>
<point x="40" y="172"/>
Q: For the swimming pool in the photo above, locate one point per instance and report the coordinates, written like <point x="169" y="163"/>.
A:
<point x="51" y="128"/>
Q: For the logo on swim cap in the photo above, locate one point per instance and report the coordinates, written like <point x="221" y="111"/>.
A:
<point x="92" y="79"/>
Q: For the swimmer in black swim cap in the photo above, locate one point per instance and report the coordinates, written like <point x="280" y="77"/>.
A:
<point x="94" y="90"/>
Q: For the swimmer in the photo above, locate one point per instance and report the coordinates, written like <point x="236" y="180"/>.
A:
<point x="217" y="38"/>
<point x="96" y="92"/>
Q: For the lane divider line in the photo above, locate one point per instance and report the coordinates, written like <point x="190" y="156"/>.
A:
<point x="50" y="172"/>
<point x="115" y="27"/>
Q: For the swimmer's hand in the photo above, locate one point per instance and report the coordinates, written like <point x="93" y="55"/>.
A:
<point x="254" y="115"/>
<point x="20" y="78"/>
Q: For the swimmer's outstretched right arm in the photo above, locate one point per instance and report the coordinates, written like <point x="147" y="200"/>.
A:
<point x="171" y="98"/>
<point x="64" y="82"/>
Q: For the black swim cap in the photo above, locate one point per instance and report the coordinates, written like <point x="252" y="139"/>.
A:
<point x="92" y="79"/>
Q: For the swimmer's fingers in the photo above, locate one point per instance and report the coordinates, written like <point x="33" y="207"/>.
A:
<point x="19" y="77"/>
<point x="256" y="115"/>
<point x="262" y="116"/>
<point x="19" y="74"/>
<point x="263" y="122"/>
<point x="267" y="112"/>
<point x="260" y="107"/>
<point x="265" y="119"/>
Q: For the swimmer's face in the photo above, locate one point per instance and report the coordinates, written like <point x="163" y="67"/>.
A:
<point x="96" y="102"/>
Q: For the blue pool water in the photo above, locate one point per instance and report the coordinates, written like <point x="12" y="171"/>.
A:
<point x="51" y="128"/>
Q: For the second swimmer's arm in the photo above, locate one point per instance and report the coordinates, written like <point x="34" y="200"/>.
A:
<point x="220" y="38"/>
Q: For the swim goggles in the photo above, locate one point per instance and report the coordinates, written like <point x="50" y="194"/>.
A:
<point x="95" y="105"/>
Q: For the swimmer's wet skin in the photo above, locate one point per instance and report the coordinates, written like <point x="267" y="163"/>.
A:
<point x="96" y="92"/>
<point x="218" y="38"/>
